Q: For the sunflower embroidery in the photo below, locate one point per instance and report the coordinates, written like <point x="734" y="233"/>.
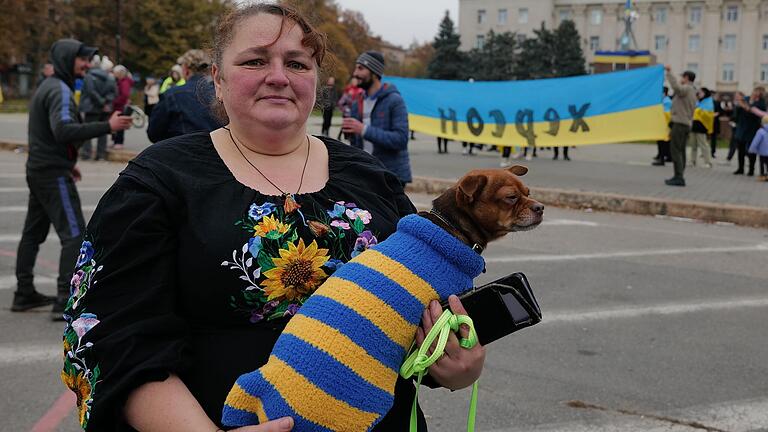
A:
<point x="297" y="273"/>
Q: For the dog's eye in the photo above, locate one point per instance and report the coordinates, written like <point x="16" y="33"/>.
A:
<point x="512" y="199"/>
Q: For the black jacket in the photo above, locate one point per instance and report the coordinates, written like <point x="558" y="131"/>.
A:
<point x="99" y="90"/>
<point x="55" y="130"/>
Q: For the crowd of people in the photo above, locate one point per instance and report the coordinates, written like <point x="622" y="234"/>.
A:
<point x="695" y="116"/>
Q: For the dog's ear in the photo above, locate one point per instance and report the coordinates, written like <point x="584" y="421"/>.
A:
<point x="518" y="170"/>
<point x="470" y="187"/>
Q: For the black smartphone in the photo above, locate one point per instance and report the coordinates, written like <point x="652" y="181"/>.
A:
<point x="128" y="110"/>
<point x="501" y="307"/>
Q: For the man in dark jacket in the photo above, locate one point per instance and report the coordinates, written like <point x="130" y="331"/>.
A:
<point x="55" y="133"/>
<point x="99" y="90"/>
<point x="379" y="118"/>
<point x="185" y="109"/>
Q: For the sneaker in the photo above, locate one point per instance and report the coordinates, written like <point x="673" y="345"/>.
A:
<point x="738" y="172"/>
<point x="566" y="158"/>
<point x="57" y="312"/>
<point x="657" y="163"/>
<point x="709" y="165"/>
<point x="516" y="156"/>
<point x="504" y="163"/>
<point x="117" y="146"/>
<point x="465" y="151"/>
<point x="528" y="157"/>
<point x="675" y="181"/>
<point x="762" y="178"/>
<point x="554" y="157"/>
<point x="24" y="302"/>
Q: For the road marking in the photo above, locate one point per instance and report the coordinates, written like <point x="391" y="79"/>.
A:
<point x="79" y="189"/>
<point x="8" y="282"/>
<point x="20" y="209"/>
<point x="60" y="409"/>
<point x="763" y="247"/>
<point x="16" y="353"/>
<point x="733" y="416"/>
<point x="660" y="309"/>
<point x="10" y="238"/>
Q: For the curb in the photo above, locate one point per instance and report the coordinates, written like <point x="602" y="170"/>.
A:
<point x="639" y="205"/>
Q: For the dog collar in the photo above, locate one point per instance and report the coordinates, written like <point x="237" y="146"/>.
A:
<point x="475" y="247"/>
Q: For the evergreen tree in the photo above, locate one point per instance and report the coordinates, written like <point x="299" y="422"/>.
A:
<point x="536" y="57"/>
<point x="448" y="62"/>
<point x="495" y="61"/>
<point x="569" y="58"/>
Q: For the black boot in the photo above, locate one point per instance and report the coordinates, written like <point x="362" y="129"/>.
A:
<point x="57" y="313"/>
<point x="24" y="302"/>
<point x="675" y="181"/>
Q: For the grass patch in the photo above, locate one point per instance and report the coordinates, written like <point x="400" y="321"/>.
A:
<point x="14" y="106"/>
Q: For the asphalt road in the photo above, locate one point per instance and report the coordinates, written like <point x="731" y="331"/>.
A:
<point x="649" y="323"/>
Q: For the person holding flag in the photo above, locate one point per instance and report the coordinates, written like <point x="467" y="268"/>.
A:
<point x="703" y="125"/>
<point x="663" y="155"/>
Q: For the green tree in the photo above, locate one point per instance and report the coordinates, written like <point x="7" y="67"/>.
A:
<point x="448" y="62"/>
<point x="495" y="61"/>
<point x="569" y="58"/>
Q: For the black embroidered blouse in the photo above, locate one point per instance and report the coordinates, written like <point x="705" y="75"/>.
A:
<point x="186" y="270"/>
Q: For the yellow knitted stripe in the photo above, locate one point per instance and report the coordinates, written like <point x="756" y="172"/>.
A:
<point x="328" y="339"/>
<point x="373" y="308"/>
<point x="242" y="400"/>
<point x="312" y="403"/>
<point x="399" y="274"/>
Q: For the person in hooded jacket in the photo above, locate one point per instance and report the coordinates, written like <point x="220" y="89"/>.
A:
<point x="379" y="118"/>
<point x="99" y="90"/>
<point x="55" y="132"/>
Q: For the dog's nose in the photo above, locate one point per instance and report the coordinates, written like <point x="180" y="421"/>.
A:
<point x="538" y="208"/>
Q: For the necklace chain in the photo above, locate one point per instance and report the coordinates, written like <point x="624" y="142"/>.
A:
<point x="303" y="170"/>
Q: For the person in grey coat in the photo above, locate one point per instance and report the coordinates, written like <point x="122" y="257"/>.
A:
<point x="55" y="133"/>
<point x="99" y="90"/>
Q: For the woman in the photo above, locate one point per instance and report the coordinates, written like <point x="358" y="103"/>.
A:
<point x="123" y="98"/>
<point x="151" y="95"/>
<point x="208" y="243"/>
<point x="747" y="128"/>
<point x="703" y="121"/>
<point x="174" y="79"/>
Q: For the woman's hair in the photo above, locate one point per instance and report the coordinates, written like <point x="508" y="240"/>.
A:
<point x="316" y="41"/>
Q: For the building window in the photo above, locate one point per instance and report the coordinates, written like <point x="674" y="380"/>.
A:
<point x="565" y="14"/>
<point x="728" y="72"/>
<point x="522" y="16"/>
<point x="480" y="41"/>
<point x="764" y="72"/>
<point x="729" y="42"/>
<point x="693" y="67"/>
<point x="694" y="15"/>
<point x="694" y="42"/>
<point x="481" y="16"/>
<point x="765" y="42"/>
<point x="596" y="17"/>
<point x="732" y="13"/>
<point x="660" y="42"/>
<point x="660" y="15"/>
<point x="594" y="43"/>
<point x="502" y="16"/>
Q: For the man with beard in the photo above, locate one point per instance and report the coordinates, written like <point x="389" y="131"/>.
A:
<point x="55" y="134"/>
<point x="379" y="118"/>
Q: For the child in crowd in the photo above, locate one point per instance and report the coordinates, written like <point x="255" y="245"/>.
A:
<point x="759" y="147"/>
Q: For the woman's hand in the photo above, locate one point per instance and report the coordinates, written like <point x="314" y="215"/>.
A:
<point x="458" y="367"/>
<point x="284" y="424"/>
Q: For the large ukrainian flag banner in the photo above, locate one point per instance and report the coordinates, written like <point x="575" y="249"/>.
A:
<point x="589" y="109"/>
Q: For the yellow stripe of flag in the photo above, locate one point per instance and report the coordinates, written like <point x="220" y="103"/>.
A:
<point x="312" y="403"/>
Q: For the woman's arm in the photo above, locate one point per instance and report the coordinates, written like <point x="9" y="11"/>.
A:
<point x="168" y="406"/>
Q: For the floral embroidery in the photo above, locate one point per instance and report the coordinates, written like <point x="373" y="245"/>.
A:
<point x="76" y="374"/>
<point x="280" y="266"/>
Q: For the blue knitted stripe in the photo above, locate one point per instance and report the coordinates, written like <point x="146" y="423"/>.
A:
<point x="391" y="293"/>
<point x="273" y="403"/>
<point x="237" y="417"/>
<point x="356" y="327"/>
<point x="444" y="277"/>
<point x="331" y="376"/>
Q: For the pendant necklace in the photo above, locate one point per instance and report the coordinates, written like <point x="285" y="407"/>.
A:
<point x="290" y="202"/>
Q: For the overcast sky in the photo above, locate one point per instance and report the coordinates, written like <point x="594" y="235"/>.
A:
<point x="402" y="21"/>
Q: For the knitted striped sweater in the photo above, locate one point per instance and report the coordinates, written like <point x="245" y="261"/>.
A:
<point x="335" y="365"/>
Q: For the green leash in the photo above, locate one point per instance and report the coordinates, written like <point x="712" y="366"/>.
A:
<point x="418" y="362"/>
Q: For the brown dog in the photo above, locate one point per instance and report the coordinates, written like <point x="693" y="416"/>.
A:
<point x="485" y="205"/>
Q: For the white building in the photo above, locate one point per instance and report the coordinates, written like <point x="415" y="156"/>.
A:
<point x="724" y="41"/>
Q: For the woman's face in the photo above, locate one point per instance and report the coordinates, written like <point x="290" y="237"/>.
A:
<point x="274" y="86"/>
